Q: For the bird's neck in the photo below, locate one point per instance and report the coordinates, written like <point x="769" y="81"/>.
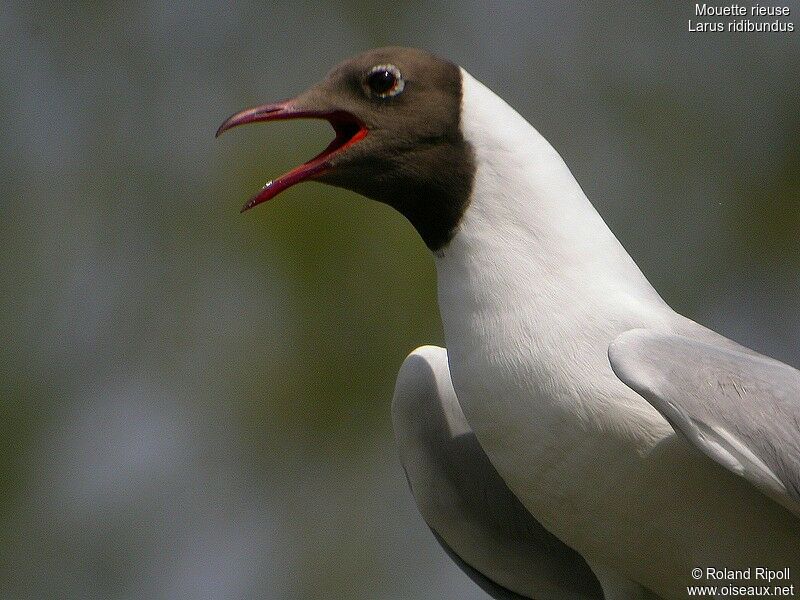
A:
<point x="530" y="241"/>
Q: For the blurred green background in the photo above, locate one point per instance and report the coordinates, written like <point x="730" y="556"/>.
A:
<point x="195" y="403"/>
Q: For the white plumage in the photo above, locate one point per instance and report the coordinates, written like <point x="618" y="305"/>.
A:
<point x="533" y="289"/>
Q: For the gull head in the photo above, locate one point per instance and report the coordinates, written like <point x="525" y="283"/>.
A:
<point x="396" y="116"/>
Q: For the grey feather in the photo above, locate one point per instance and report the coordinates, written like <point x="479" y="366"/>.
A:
<point x="463" y="499"/>
<point x="738" y="407"/>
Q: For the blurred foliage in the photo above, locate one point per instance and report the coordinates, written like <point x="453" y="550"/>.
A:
<point x="196" y="402"/>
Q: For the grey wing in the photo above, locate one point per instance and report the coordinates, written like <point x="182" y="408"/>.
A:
<point x="463" y="499"/>
<point x="740" y="408"/>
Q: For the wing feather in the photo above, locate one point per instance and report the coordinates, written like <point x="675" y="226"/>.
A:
<point x="475" y="517"/>
<point x="740" y="408"/>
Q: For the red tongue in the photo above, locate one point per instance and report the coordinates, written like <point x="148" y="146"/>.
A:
<point x="348" y="128"/>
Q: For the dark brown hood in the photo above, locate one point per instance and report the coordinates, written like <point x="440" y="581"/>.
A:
<point x="405" y="150"/>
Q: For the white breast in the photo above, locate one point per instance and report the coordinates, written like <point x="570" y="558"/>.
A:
<point x="531" y="259"/>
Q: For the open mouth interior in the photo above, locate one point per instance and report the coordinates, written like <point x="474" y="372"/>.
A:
<point x="349" y="130"/>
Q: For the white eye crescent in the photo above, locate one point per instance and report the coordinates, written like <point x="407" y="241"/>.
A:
<point x="384" y="81"/>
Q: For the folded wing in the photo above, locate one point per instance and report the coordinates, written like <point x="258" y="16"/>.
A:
<point x="463" y="499"/>
<point x="739" y="408"/>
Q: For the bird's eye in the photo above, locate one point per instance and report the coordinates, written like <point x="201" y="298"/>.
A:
<point x="384" y="81"/>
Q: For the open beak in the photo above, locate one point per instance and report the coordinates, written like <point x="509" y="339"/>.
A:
<point x="348" y="128"/>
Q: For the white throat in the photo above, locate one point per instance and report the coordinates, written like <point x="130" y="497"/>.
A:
<point x="528" y="210"/>
<point x="533" y="287"/>
<point x="530" y="237"/>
